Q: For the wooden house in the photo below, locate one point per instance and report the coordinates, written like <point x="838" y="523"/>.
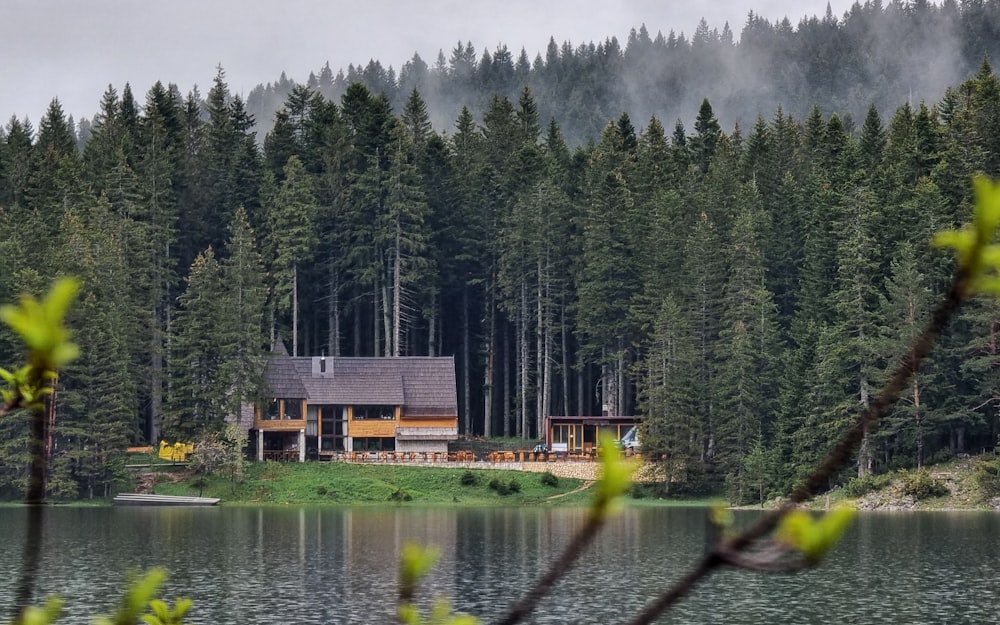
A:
<point x="321" y="406"/>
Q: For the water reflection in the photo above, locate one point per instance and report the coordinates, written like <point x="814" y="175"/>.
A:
<point x="321" y="565"/>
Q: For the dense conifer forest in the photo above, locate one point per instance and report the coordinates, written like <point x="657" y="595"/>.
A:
<point x="744" y="288"/>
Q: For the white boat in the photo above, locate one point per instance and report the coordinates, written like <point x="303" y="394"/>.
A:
<point x="141" y="499"/>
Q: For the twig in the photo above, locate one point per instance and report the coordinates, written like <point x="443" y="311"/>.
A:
<point x="35" y="501"/>
<point x="834" y="461"/>
<point x="558" y="569"/>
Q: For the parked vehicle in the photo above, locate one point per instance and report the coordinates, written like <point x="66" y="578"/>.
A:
<point x="630" y="440"/>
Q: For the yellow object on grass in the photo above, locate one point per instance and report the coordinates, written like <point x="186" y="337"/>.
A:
<point x="178" y="452"/>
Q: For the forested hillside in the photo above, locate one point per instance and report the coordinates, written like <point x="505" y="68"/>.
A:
<point x="742" y="289"/>
<point x="881" y="53"/>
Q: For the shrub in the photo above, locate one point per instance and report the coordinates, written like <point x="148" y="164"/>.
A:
<point x="638" y="491"/>
<point x="861" y="486"/>
<point x="922" y="485"/>
<point x="514" y="486"/>
<point x="321" y="491"/>
<point x="400" y="495"/>
<point x="548" y="479"/>
<point x="469" y="479"/>
<point x="502" y="488"/>
<point x="987" y="478"/>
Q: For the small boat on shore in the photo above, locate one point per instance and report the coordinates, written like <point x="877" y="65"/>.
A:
<point x="142" y="499"/>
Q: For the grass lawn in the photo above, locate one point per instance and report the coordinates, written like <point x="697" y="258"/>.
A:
<point x="353" y="484"/>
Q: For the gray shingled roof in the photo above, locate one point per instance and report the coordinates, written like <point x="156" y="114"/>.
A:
<point x="424" y="386"/>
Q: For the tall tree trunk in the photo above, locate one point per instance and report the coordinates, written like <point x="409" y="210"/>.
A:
<point x="397" y="293"/>
<point x="490" y="370"/>
<point x="156" y="382"/>
<point x="432" y="328"/>
<point x="376" y="317"/>
<point x="387" y="321"/>
<point x="865" y="455"/>
<point x="357" y="351"/>
<point x="333" y="311"/>
<point x="466" y="400"/>
<point x="525" y="361"/>
<point x="505" y="409"/>
<point x="919" y="416"/>
<point x="540" y="388"/>
<point x="295" y="310"/>
<point x="547" y="380"/>
<point x="565" y="358"/>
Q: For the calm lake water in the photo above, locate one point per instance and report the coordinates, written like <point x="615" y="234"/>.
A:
<point x="321" y="565"/>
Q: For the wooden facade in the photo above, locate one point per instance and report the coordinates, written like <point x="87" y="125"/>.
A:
<point x="578" y="435"/>
<point x="321" y="407"/>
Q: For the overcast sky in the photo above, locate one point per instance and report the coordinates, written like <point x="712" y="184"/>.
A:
<point x="73" y="49"/>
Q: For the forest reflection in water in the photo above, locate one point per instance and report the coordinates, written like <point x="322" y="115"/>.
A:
<point x="338" y="565"/>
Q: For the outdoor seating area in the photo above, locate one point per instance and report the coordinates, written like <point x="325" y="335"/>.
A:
<point x="399" y="456"/>
<point x="292" y="455"/>
<point x="433" y="457"/>
<point x="282" y="455"/>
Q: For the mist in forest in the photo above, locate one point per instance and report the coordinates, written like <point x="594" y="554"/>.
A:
<point x="885" y="56"/>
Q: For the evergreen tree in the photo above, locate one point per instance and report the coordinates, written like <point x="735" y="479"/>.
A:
<point x="671" y="430"/>
<point x="748" y="348"/>
<point x="291" y="216"/>
<point x="197" y="354"/>
<point x="97" y="395"/>
<point x="242" y="334"/>
<point x="903" y="311"/>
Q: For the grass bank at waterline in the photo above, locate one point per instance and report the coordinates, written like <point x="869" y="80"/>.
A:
<point x="355" y="484"/>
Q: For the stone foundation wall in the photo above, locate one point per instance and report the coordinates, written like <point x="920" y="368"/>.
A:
<point x="575" y="470"/>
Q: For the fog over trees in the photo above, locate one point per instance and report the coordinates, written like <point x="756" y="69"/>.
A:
<point x="876" y="53"/>
<point x="552" y="223"/>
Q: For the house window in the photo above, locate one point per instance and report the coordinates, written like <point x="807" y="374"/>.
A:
<point x="293" y="408"/>
<point x="375" y="443"/>
<point x="273" y="410"/>
<point x="362" y="413"/>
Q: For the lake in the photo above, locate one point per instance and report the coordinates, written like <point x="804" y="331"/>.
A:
<point x="333" y="565"/>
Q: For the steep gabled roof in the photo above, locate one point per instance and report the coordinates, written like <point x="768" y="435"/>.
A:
<point x="423" y="386"/>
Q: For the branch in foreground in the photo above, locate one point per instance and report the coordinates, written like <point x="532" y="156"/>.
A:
<point x="838" y="458"/>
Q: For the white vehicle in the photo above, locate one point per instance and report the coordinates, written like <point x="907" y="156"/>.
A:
<point x="630" y="440"/>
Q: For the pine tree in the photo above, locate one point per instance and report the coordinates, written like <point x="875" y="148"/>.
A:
<point x="197" y="354"/>
<point x="242" y="334"/>
<point x="608" y="274"/>
<point x="97" y="395"/>
<point x="708" y="131"/>
<point x="291" y="225"/>
<point x="15" y="162"/>
<point x="403" y="234"/>
<point x="903" y="310"/>
<point x="671" y="430"/>
<point x="748" y="347"/>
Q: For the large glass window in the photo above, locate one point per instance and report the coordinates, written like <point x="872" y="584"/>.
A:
<point x="374" y="412"/>
<point x="293" y="408"/>
<point x="333" y="428"/>
<point x="272" y="410"/>
<point x="374" y="443"/>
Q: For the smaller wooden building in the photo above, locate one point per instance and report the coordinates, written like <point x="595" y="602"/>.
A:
<point x="579" y="435"/>
<point x="321" y="406"/>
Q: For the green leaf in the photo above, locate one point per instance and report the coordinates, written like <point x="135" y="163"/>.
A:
<point x="415" y="562"/>
<point x="616" y="476"/>
<point x="799" y="530"/>
<point x="43" y="616"/>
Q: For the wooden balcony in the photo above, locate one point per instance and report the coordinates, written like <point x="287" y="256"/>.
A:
<point x="280" y="425"/>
